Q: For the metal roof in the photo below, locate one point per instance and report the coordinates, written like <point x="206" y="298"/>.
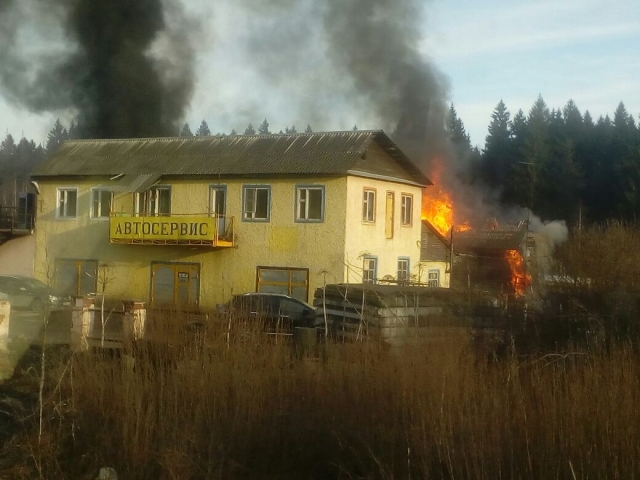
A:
<point x="494" y="240"/>
<point x="328" y="153"/>
<point x="131" y="183"/>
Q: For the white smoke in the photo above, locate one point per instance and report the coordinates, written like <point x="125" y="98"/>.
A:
<point x="555" y="231"/>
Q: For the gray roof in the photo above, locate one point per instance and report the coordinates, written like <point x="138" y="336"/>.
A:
<point x="507" y="237"/>
<point x="329" y="153"/>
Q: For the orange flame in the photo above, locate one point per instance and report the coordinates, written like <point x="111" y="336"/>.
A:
<point x="519" y="278"/>
<point x="438" y="210"/>
<point x="463" y="227"/>
<point x="437" y="206"/>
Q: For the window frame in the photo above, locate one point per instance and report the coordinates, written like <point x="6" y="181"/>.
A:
<point x="408" y="270"/>
<point x="365" y="191"/>
<point x="429" y="280"/>
<point x="296" y="213"/>
<point x="375" y="269"/>
<point x="403" y="213"/>
<point x="95" y="190"/>
<point x="147" y="202"/>
<point x="219" y="187"/>
<point x="266" y="187"/>
<point x="290" y="284"/>
<point x="79" y="265"/>
<point x="59" y="190"/>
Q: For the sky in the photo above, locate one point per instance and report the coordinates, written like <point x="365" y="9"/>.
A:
<point x="585" y="50"/>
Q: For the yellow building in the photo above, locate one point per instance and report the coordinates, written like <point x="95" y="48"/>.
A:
<point x="187" y="222"/>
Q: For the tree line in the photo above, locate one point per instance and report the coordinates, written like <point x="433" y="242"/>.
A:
<point x="560" y="163"/>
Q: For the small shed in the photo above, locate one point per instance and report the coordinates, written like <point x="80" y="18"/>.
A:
<point x="483" y="257"/>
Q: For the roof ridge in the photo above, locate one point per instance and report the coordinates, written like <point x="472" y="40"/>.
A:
<point x="194" y="137"/>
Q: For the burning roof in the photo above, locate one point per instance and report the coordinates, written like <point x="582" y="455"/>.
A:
<point x="507" y="237"/>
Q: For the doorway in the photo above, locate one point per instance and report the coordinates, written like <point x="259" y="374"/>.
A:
<point x="175" y="285"/>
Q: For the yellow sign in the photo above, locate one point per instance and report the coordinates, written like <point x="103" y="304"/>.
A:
<point x="158" y="229"/>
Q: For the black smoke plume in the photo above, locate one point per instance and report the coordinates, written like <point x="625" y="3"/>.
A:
<point x="376" y="42"/>
<point x="124" y="67"/>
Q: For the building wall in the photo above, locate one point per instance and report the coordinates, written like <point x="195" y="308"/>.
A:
<point x="443" y="274"/>
<point x="332" y="250"/>
<point x="280" y="242"/>
<point x="364" y="238"/>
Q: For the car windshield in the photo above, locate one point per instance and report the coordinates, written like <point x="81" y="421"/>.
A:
<point x="33" y="283"/>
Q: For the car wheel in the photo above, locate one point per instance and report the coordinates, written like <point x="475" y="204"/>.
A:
<point x="37" y="306"/>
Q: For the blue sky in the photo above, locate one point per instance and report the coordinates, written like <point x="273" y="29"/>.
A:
<point x="585" y="50"/>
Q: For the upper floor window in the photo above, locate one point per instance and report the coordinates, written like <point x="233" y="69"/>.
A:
<point x="369" y="269"/>
<point x="101" y="203"/>
<point x="67" y="203"/>
<point x="218" y="198"/>
<point x="310" y="203"/>
<point x="369" y="206"/>
<point x="406" y="214"/>
<point x="256" y="203"/>
<point x="218" y="206"/>
<point x="154" y="202"/>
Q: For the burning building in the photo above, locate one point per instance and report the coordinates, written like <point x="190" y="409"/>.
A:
<point x="186" y="222"/>
<point x="491" y="259"/>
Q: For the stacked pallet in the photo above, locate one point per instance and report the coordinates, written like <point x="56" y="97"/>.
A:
<point x="398" y="314"/>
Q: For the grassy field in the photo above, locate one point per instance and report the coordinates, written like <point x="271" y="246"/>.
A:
<point x="245" y="406"/>
<point x="249" y="408"/>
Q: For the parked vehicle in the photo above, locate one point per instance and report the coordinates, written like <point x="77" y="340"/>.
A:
<point x="279" y="313"/>
<point x="30" y="294"/>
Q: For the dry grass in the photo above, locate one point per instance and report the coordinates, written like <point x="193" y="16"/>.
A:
<point x="237" y="403"/>
<point x="246" y="407"/>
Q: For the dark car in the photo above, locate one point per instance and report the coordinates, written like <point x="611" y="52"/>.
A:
<point x="279" y="313"/>
<point x="30" y="294"/>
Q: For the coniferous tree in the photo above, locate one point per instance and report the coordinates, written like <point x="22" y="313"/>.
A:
<point x="516" y="175"/>
<point x="624" y="152"/>
<point x="460" y="141"/>
<point x="250" y="130"/>
<point x="57" y="135"/>
<point x="308" y="129"/>
<point x="203" y="130"/>
<point x="263" y="129"/>
<point x="74" y="131"/>
<point x="186" y="131"/>
<point x="495" y="163"/>
<point x="233" y="132"/>
<point x="7" y="156"/>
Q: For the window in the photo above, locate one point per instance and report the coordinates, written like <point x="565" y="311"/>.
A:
<point x="369" y="206"/>
<point x="406" y="215"/>
<point x="388" y="219"/>
<point x="67" y="202"/>
<point x="404" y="274"/>
<point x="101" y="203"/>
<point x="154" y="202"/>
<point x="433" y="278"/>
<point x="256" y="203"/>
<point x="310" y="204"/>
<point x="290" y="281"/>
<point x="369" y="269"/>
<point x="218" y="205"/>
<point x="76" y="277"/>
